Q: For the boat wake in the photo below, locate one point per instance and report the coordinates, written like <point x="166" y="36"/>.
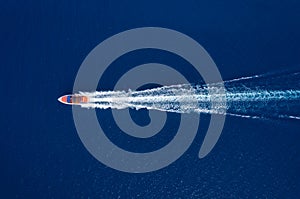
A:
<point x="260" y="96"/>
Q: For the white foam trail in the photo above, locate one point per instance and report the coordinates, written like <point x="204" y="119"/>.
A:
<point x="242" y="98"/>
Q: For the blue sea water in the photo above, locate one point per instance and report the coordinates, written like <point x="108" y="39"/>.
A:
<point x="43" y="44"/>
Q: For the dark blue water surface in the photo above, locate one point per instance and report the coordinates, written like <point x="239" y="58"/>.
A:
<point x="43" y="44"/>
